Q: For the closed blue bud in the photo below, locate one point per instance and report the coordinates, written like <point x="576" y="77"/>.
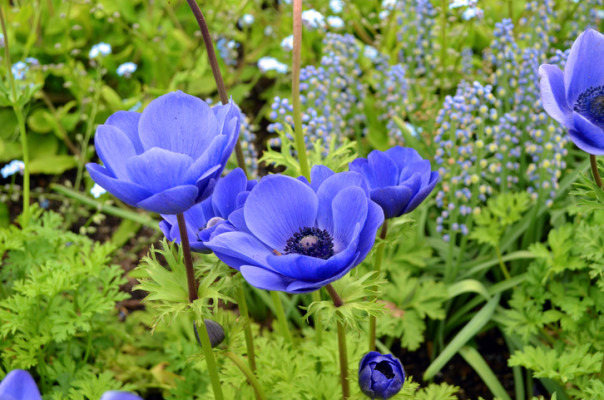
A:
<point x="168" y="158"/>
<point x="398" y="178"/>
<point x="296" y="237"/>
<point x="380" y="376"/>
<point x="575" y="97"/>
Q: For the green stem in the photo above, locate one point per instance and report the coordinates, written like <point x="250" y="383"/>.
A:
<point x="247" y="328"/>
<point x="296" y="61"/>
<point x="281" y="318"/>
<point x="208" y="352"/>
<point x="207" y="40"/>
<point x="249" y="374"/>
<point x="343" y="351"/>
<point x="186" y="249"/>
<point x="316" y="296"/>
<point x="504" y="269"/>
<point x="443" y="44"/>
<point x="602" y="370"/>
<point x="594" y="171"/>
<point x="377" y="266"/>
<point x="511" y="9"/>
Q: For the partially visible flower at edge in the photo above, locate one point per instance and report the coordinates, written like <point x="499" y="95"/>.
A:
<point x="575" y="97"/>
<point x="399" y="179"/>
<point x="12" y="168"/>
<point x="202" y="219"/>
<point x="296" y="237"/>
<point x="167" y="158"/>
<point x="380" y="376"/>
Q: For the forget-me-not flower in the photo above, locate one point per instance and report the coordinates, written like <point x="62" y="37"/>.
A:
<point x="335" y="22"/>
<point x="287" y="43"/>
<point x="19" y="69"/>
<point x="168" y="158"/>
<point x="575" y="97"/>
<point x="266" y="64"/>
<point x="12" y="168"/>
<point x="99" y="49"/>
<point x="313" y="19"/>
<point x="246" y="20"/>
<point x="97" y="190"/>
<point x="336" y="6"/>
<point x="297" y="237"/>
<point x="126" y="69"/>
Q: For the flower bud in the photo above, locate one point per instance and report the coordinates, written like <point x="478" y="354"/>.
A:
<point x="380" y="376"/>
<point x="215" y="332"/>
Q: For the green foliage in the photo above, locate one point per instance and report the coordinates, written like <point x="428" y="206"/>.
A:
<point x="57" y="306"/>
<point x="336" y="158"/>
<point x="501" y="212"/>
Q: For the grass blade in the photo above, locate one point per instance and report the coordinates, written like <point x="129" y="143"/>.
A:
<point x="473" y="357"/>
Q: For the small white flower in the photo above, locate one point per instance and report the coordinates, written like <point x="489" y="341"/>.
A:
<point x="12" y="168"/>
<point x="288" y="43"/>
<point x="271" y="64"/>
<point x="313" y="19"/>
<point x="19" y="69"/>
<point x="126" y="69"/>
<point x="335" y="22"/>
<point x="97" y="191"/>
<point x="336" y="6"/>
<point x="370" y="52"/>
<point x="99" y="49"/>
<point x="246" y="20"/>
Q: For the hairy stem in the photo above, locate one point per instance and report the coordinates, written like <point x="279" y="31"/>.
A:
<point x="296" y="61"/>
<point x="281" y="318"/>
<point x="249" y="374"/>
<point x="207" y="40"/>
<point x="247" y="329"/>
<point x="208" y="352"/>
<point x="377" y="266"/>
<point x="184" y="241"/>
<point x="594" y="171"/>
<point x="342" y="350"/>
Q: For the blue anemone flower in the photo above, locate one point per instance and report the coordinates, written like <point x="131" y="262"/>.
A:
<point x="203" y="218"/>
<point x="296" y="237"/>
<point x="399" y="179"/>
<point x="168" y="158"/>
<point x="575" y="97"/>
<point x="380" y="376"/>
<point x="19" y="385"/>
<point x="117" y="395"/>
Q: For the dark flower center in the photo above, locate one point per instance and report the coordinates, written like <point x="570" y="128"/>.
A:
<point x="590" y="104"/>
<point x="313" y="242"/>
<point x="385" y="368"/>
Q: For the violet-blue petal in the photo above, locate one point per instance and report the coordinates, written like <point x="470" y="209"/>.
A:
<point x="239" y="248"/>
<point x="178" y="122"/>
<point x="264" y="279"/>
<point x="587" y="136"/>
<point x="318" y="174"/>
<point x="224" y="198"/>
<point x="393" y="199"/>
<point x="127" y="122"/>
<point x="278" y="207"/>
<point x="349" y="212"/>
<point x="114" y="148"/>
<point x="403" y="156"/>
<point x="583" y="68"/>
<point x="117" y="395"/>
<point x="128" y="192"/>
<point x="553" y="94"/>
<point x="381" y="170"/>
<point x="171" y="201"/>
<point x="375" y="219"/>
<point x="19" y="385"/>
<point x="328" y="190"/>
<point x="422" y="193"/>
<point x="158" y="169"/>
<point x="211" y="158"/>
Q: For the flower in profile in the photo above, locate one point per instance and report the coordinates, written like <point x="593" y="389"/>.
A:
<point x="19" y="385"/>
<point x="266" y="64"/>
<point x="99" y="49"/>
<point x="380" y="376"/>
<point x="398" y="178"/>
<point x="126" y="69"/>
<point x="203" y="218"/>
<point x="168" y="158"/>
<point x="575" y="97"/>
<point x="296" y="237"/>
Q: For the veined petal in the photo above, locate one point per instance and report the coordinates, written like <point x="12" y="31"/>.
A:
<point x="19" y="385"/>
<point x="159" y="169"/>
<point x="127" y="122"/>
<point x="583" y="68"/>
<point x="264" y="279"/>
<point x="209" y="159"/>
<point x="382" y="171"/>
<point x="175" y="200"/>
<point x="328" y="190"/>
<point x="116" y="395"/>
<point x="553" y="96"/>
<point x="421" y="168"/>
<point x="224" y="198"/>
<point x="587" y="136"/>
<point x="349" y="210"/>
<point x="393" y="200"/>
<point x="114" y="148"/>
<point x="403" y="156"/>
<point x="239" y="248"/>
<point x="318" y="174"/>
<point x="278" y="207"/>
<point x="375" y="219"/>
<point x="178" y="122"/>
<point x="423" y="192"/>
<point x="126" y="191"/>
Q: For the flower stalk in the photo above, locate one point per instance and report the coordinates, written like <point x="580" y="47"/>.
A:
<point x="247" y="328"/>
<point x="594" y="171"/>
<point x="21" y="121"/>
<point x="281" y="317"/>
<point x="208" y="352"/>
<point x="207" y="40"/>
<point x="296" y="61"/>
<point x="377" y="266"/>
<point x="342" y="349"/>
<point x="186" y="248"/>
<point x="251" y="378"/>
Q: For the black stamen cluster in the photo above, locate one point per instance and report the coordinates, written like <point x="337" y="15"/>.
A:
<point x="313" y="242"/>
<point x="590" y="104"/>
